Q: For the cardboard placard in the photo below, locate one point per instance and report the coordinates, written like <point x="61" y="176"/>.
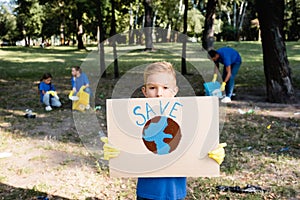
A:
<point x="163" y="137"/>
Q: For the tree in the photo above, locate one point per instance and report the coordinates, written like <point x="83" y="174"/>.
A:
<point x="112" y="33"/>
<point x="208" y="33"/>
<point x="292" y="25"/>
<point x="148" y="24"/>
<point x="7" y="24"/>
<point x="195" y="22"/>
<point x="99" y="8"/>
<point x="276" y="66"/>
<point x="183" y="56"/>
<point x="29" y="19"/>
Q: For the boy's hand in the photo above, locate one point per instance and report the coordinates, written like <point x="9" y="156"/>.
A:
<point x="108" y="150"/>
<point x="222" y="88"/>
<point x="214" y="78"/>
<point x="53" y="93"/>
<point x="218" y="154"/>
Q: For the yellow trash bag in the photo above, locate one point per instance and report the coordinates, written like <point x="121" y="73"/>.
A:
<point x="83" y="100"/>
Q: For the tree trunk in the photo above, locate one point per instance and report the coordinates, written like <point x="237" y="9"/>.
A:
<point x="241" y="19"/>
<point x="276" y="66"/>
<point x="62" y="26"/>
<point x="80" y="32"/>
<point x="112" y="33"/>
<point x="131" y="21"/>
<point x="101" y="39"/>
<point x="294" y="34"/>
<point x="208" y="32"/>
<point x="148" y="25"/>
<point x="183" y="56"/>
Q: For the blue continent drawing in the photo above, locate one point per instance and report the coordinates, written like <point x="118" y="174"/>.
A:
<point x="155" y="133"/>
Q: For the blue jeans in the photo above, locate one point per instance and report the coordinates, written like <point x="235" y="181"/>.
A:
<point x="48" y="101"/>
<point x="141" y="198"/>
<point x="230" y="83"/>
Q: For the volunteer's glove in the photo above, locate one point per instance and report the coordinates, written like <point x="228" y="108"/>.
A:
<point x="214" y="78"/>
<point x="71" y="94"/>
<point x="222" y="88"/>
<point x="72" y="97"/>
<point x="218" y="154"/>
<point x="108" y="150"/>
<point x="82" y="88"/>
<point x="53" y="93"/>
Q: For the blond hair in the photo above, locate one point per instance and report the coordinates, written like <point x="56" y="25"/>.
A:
<point x="159" y="67"/>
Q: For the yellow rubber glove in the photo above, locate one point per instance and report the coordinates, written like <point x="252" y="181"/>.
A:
<point x="222" y="88"/>
<point x="71" y="94"/>
<point x="108" y="150"/>
<point x="214" y="78"/>
<point x="82" y="88"/>
<point x="53" y="93"/>
<point x="218" y="154"/>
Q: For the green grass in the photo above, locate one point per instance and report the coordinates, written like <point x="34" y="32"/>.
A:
<point x="254" y="152"/>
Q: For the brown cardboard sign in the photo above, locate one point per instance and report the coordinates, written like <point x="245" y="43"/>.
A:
<point x="163" y="137"/>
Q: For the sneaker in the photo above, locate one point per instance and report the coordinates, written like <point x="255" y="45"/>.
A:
<point x="74" y="98"/>
<point x="48" y="108"/>
<point x="226" y="100"/>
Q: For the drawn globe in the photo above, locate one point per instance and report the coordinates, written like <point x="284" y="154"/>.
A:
<point x="161" y="135"/>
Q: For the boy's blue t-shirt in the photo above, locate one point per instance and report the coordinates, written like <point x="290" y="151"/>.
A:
<point x="162" y="188"/>
<point x="228" y="56"/>
<point x="46" y="88"/>
<point x="81" y="81"/>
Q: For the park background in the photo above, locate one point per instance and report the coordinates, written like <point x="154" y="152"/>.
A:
<point x="48" y="157"/>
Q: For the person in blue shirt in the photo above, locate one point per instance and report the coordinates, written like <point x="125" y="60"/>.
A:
<point x="231" y="60"/>
<point x="48" y="95"/>
<point x="79" y="79"/>
<point x="159" y="82"/>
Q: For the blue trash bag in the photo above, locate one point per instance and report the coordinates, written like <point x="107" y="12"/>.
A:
<point x="213" y="89"/>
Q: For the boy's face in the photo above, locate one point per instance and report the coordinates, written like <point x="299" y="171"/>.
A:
<point x="73" y="72"/>
<point x="48" y="80"/>
<point x="160" y="85"/>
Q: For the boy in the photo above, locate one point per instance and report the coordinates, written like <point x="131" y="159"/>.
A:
<point x="231" y="60"/>
<point x="159" y="81"/>
<point x="79" y="79"/>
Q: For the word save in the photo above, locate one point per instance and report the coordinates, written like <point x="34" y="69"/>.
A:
<point x="168" y="109"/>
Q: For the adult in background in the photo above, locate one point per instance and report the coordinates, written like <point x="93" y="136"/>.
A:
<point x="231" y="60"/>
<point x="79" y="79"/>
